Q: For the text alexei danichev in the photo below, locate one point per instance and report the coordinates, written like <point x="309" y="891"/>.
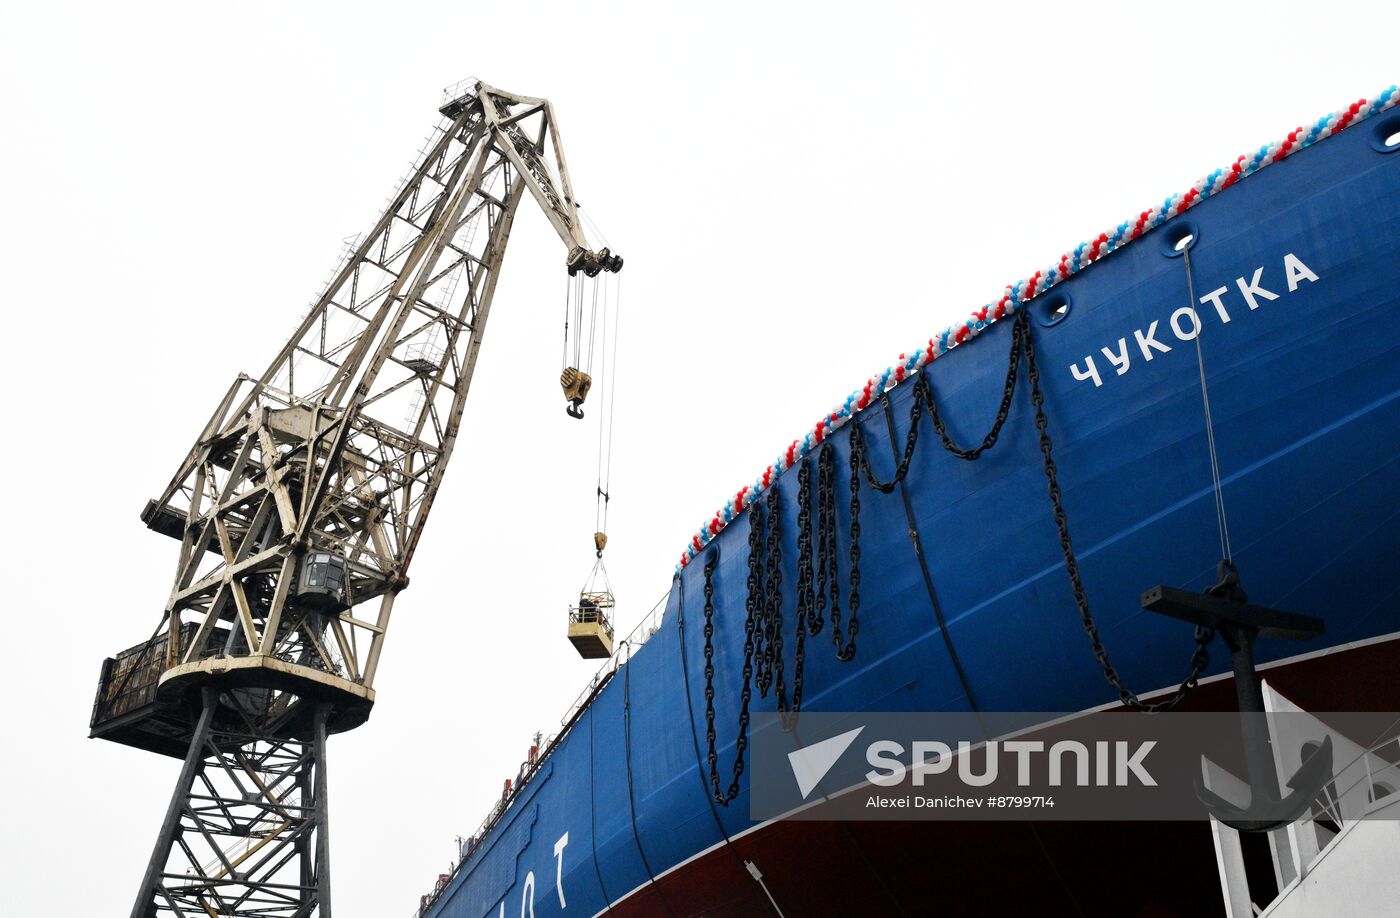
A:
<point x="957" y="801"/>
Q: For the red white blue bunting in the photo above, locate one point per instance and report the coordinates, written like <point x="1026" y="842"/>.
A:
<point x="1022" y="291"/>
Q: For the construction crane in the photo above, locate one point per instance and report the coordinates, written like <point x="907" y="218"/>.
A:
<point x="302" y="503"/>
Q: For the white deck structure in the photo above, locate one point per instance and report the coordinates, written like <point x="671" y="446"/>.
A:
<point x="1332" y="862"/>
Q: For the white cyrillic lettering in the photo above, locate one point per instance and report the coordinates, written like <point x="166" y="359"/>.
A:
<point x="1148" y="343"/>
<point x="1120" y="359"/>
<point x="527" y="896"/>
<point x="559" y="847"/>
<point x="1091" y="373"/>
<point x="1252" y="289"/>
<point x="1214" y="299"/>
<point x="1296" y="271"/>
<point x="1186" y="311"/>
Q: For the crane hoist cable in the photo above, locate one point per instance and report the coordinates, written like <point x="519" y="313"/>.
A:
<point x="576" y="371"/>
<point x="568" y="297"/>
<point x="607" y="374"/>
<point x="574" y="376"/>
<point x="593" y="319"/>
<point x="590" y="620"/>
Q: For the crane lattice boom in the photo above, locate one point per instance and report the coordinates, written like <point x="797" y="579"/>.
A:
<point x="305" y="496"/>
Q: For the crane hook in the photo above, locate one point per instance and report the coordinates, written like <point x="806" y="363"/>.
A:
<point x="575" y="384"/>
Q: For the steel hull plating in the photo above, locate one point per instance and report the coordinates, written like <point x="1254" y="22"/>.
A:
<point x="1300" y="347"/>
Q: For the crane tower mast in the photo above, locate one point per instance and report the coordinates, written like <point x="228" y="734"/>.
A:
<point x="299" y="509"/>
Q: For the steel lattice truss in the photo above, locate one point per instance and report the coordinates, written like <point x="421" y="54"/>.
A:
<point x="303" y="498"/>
<point x="341" y="443"/>
<point x="251" y="813"/>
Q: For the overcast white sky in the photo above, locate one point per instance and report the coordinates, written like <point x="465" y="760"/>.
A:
<point x="801" y="191"/>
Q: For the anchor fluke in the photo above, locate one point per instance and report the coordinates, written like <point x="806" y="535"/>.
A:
<point x="1225" y="610"/>
<point x="1265" y="811"/>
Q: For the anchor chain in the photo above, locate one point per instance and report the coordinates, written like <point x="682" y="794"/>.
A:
<point x="911" y="440"/>
<point x="924" y="400"/>
<point x="826" y="535"/>
<point x="1019" y="331"/>
<point x="745" y="692"/>
<point x="807" y="621"/>
<point x="771" y="607"/>
<point x="763" y="639"/>
<point x="819" y="598"/>
<point x="848" y="652"/>
<point x="753" y="597"/>
<point x="1200" y="657"/>
<point x="828" y="586"/>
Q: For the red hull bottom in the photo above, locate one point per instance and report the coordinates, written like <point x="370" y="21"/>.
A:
<point x="982" y="868"/>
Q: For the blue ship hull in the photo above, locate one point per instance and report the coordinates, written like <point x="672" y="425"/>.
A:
<point x="1301" y="347"/>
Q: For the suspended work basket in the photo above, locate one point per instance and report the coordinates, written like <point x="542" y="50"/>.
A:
<point x="590" y="621"/>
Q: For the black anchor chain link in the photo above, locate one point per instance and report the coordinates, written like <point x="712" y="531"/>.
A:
<point x="828" y="585"/>
<point x="826" y="567"/>
<point x="745" y="692"/>
<point x="1020" y="331"/>
<point x="772" y="603"/>
<point x="806" y="618"/>
<point x="848" y="651"/>
<point x="753" y="598"/>
<point x="924" y="400"/>
<point x="1200" y="657"/>
<point x="911" y="440"/>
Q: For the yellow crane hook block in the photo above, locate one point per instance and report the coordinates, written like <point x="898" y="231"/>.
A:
<point x="576" y="384"/>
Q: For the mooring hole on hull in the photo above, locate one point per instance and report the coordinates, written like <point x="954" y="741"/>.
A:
<point x="1385" y="138"/>
<point x="1055" y="308"/>
<point x="1178" y="236"/>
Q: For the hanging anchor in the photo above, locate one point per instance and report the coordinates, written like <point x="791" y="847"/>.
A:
<point x="1225" y="607"/>
<point x="576" y="384"/>
<point x="1266" y="810"/>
